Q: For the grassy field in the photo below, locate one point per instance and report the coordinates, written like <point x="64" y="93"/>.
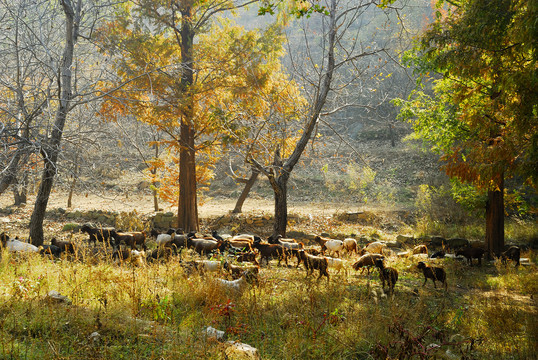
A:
<point x="158" y="312"/>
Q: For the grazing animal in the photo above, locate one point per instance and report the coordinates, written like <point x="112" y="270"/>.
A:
<point x="312" y="263"/>
<point x="350" y="245"/>
<point x="336" y="264"/>
<point x="65" y="246"/>
<point x="268" y="251"/>
<point x="103" y="235"/>
<point x="335" y="246"/>
<point x="161" y="253"/>
<point x="204" y="246"/>
<point x="238" y="285"/>
<point x="237" y="271"/>
<point x="420" y="249"/>
<point x="50" y="250"/>
<point x="434" y="273"/>
<point x="472" y="253"/>
<point x="366" y="261"/>
<point x="388" y="274"/>
<point x="15" y="245"/>
<point x="247" y="257"/>
<point x="278" y="239"/>
<point x="135" y="257"/>
<point x="438" y="254"/>
<point x="131" y="239"/>
<point x="513" y="253"/>
<point x="375" y="247"/>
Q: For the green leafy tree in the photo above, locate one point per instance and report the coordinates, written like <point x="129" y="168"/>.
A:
<point x="481" y="58"/>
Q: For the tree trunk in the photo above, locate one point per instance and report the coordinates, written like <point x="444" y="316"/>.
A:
<point x="153" y="183"/>
<point x="188" y="207"/>
<point x="188" y="204"/>
<point x="280" y="188"/>
<point x="391" y="134"/>
<point x="495" y="220"/>
<point x="50" y="149"/>
<point x="246" y="190"/>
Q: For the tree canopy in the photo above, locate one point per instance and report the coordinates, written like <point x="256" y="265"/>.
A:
<point x="481" y="58"/>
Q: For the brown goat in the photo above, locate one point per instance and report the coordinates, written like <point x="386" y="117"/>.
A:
<point x="238" y="271"/>
<point x="513" y="253"/>
<point x="472" y="253"/>
<point x="269" y="251"/>
<point x="312" y="263"/>
<point x="131" y="239"/>
<point x="65" y="246"/>
<point x="365" y="261"/>
<point x="247" y="257"/>
<point x="434" y="273"/>
<point x="388" y="274"/>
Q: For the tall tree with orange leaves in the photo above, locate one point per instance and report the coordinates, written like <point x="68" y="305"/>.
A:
<point x="483" y="117"/>
<point x="191" y="76"/>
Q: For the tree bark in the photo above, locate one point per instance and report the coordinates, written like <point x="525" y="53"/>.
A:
<point x="280" y="188"/>
<point x="187" y="204"/>
<point x="495" y="220"/>
<point x="51" y="148"/>
<point x="246" y="190"/>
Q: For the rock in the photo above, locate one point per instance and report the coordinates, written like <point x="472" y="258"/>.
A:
<point x="55" y="296"/>
<point x="94" y="338"/>
<point x="211" y="332"/>
<point x="241" y="351"/>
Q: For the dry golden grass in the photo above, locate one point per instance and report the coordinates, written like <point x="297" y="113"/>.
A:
<point x="156" y="312"/>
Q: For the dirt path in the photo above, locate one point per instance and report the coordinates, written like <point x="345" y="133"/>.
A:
<point x="143" y="204"/>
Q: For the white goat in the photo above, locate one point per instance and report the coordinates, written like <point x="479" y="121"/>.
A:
<point x="376" y="247"/>
<point x="232" y="285"/>
<point x="14" y="245"/>
<point x="334" y="246"/>
<point x="336" y="264"/>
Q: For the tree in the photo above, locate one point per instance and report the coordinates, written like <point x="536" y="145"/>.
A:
<point x="325" y="73"/>
<point x="177" y="83"/>
<point x="483" y="114"/>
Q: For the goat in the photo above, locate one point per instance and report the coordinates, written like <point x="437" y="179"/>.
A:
<point x="135" y="257"/>
<point x="51" y="250"/>
<point x="312" y="263"/>
<point x="434" y="273"/>
<point x="103" y="235"/>
<point x="420" y="249"/>
<point x="365" y="261"/>
<point x="64" y="246"/>
<point x="388" y="274"/>
<point x="268" y="251"/>
<point x="329" y="244"/>
<point x="161" y="253"/>
<point x="241" y="244"/>
<point x="247" y="257"/>
<point x="131" y="239"/>
<point x="237" y="271"/>
<point x="278" y="239"/>
<point x="375" y="247"/>
<point x="472" y="253"/>
<point x="350" y="245"/>
<point x="13" y="245"/>
<point x="236" y="286"/>
<point x="438" y="254"/>
<point x="513" y="253"/>
<point x="336" y="264"/>
<point x="204" y="246"/>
